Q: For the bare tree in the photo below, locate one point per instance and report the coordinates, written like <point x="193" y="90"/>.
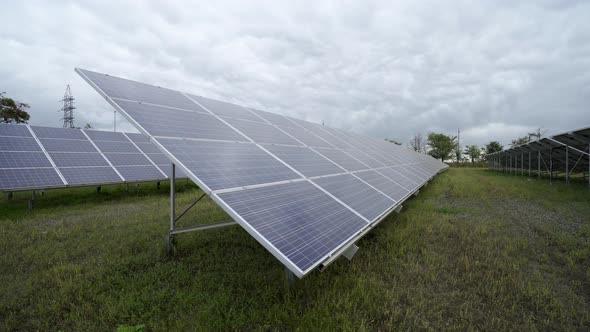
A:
<point x="418" y="143"/>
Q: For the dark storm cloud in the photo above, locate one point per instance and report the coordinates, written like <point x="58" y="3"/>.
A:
<point x="495" y="69"/>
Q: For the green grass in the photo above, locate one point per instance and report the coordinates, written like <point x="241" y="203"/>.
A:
<point x="475" y="250"/>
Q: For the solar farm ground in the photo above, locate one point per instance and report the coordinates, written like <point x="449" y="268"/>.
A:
<point x="475" y="250"/>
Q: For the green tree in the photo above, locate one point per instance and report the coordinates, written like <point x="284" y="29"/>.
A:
<point x="473" y="151"/>
<point x="493" y="147"/>
<point x="441" y="145"/>
<point x="12" y="111"/>
<point x="520" y="141"/>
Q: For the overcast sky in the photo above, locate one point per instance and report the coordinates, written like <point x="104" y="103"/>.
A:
<point x="495" y="69"/>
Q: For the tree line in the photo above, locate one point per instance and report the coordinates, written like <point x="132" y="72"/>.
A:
<point x="446" y="147"/>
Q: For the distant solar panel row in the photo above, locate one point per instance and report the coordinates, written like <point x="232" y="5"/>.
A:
<point x="304" y="191"/>
<point x="34" y="157"/>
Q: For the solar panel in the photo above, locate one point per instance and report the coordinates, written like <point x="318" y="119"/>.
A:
<point x="69" y="153"/>
<point x="49" y="132"/>
<point x="179" y="123"/>
<point x="13" y="159"/>
<point x="19" y="144"/>
<point x="306" y="137"/>
<point x="342" y="159"/>
<point x="288" y="182"/>
<point x="383" y="184"/>
<point x="275" y="119"/>
<point x="226" y="109"/>
<point x="221" y="165"/>
<point x="90" y="175"/>
<point x="305" y="161"/>
<point x="16" y="179"/>
<point x="14" y="130"/>
<point x="299" y="220"/>
<point x="261" y="132"/>
<point x="364" y="199"/>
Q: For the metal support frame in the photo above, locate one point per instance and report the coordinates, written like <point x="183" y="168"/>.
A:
<point x="529" y="164"/>
<point x="173" y="218"/>
<point x="98" y="189"/>
<point x="551" y="165"/>
<point x="567" y="164"/>
<point x="32" y="200"/>
<point x="522" y="163"/>
<point x="539" y="164"/>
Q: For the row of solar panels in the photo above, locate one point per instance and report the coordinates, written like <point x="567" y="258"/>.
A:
<point x="568" y="150"/>
<point x="304" y="191"/>
<point x="34" y="157"/>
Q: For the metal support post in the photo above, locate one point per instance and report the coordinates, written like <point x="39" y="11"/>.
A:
<point x="169" y="239"/>
<point x="9" y="195"/>
<point x="32" y="200"/>
<point x="158" y="185"/>
<point x="588" y="165"/>
<point x="539" y="164"/>
<point x="289" y="278"/>
<point x="551" y="165"/>
<point x="98" y="189"/>
<point x="567" y="165"/>
<point x="529" y="164"/>
<point x="522" y="163"/>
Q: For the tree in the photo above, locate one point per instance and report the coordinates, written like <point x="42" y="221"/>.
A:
<point x="538" y="133"/>
<point x="441" y="145"/>
<point x="12" y="111"/>
<point x="473" y="151"/>
<point x="520" y="141"/>
<point x="417" y="143"/>
<point x="493" y="147"/>
<point x="88" y="126"/>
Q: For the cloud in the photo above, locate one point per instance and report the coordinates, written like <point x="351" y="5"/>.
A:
<point x="495" y="69"/>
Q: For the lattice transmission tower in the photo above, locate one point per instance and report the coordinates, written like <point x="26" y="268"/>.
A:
<point x="68" y="108"/>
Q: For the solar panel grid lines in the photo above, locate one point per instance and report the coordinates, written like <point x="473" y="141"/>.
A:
<point x="308" y="139"/>
<point x="165" y="176"/>
<point x="47" y="155"/>
<point x="105" y="158"/>
<point x="386" y="186"/>
<point x="299" y="246"/>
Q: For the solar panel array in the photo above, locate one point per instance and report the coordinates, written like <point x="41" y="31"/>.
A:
<point x="34" y="157"/>
<point x="304" y="191"/>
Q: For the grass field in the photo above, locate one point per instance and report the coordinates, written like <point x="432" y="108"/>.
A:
<point x="475" y="250"/>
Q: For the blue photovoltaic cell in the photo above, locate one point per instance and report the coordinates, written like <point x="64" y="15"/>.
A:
<point x="364" y="158"/>
<point x="140" y="173"/>
<point x="89" y="175"/>
<point x="63" y="145"/>
<point x="158" y="158"/>
<point x="19" y="144"/>
<point x="383" y="184"/>
<point x="29" y="178"/>
<point x="127" y="159"/>
<point x="14" y="130"/>
<point x="306" y="137"/>
<point x="299" y="220"/>
<point x="221" y="108"/>
<point x="121" y="88"/>
<point x="396" y="176"/>
<point x="106" y="146"/>
<point x="342" y="159"/>
<point x="23" y="160"/>
<point x="138" y="138"/>
<point x="65" y="133"/>
<point x="317" y="130"/>
<point x="178" y="123"/>
<point x="77" y="159"/>
<point x="408" y="174"/>
<point x="275" y="119"/>
<point x="97" y="135"/>
<point x="148" y="148"/>
<point x="304" y="160"/>
<point x="358" y="195"/>
<point x="226" y="165"/>
<point x="261" y="132"/>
